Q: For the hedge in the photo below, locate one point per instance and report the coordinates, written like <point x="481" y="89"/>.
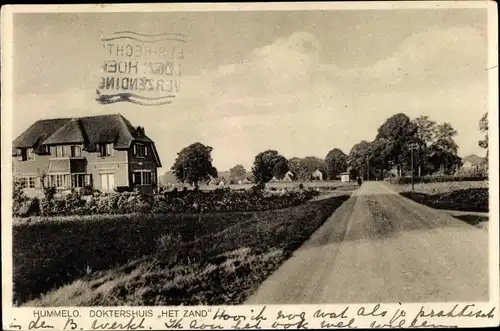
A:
<point x="437" y="179"/>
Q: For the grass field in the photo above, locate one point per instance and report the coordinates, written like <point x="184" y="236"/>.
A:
<point x="442" y="188"/>
<point x="453" y="196"/>
<point x="159" y="260"/>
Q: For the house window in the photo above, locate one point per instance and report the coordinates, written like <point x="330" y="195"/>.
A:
<point x="31" y="182"/>
<point x="25" y="154"/>
<point x="28" y="181"/>
<point x="142" y="177"/>
<point x="80" y="180"/>
<point x="106" y="149"/>
<point x="76" y="151"/>
<point x="59" y="151"/>
<point x="140" y="150"/>
<point x="146" y="178"/>
<point x="59" y="181"/>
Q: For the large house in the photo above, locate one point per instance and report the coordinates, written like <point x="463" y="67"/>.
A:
<point x="101" y="152"/>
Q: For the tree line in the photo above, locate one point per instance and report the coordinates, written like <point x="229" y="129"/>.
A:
<point x="399" y="139"/>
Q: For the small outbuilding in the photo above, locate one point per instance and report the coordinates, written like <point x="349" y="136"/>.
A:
<point x="344" y="177"/>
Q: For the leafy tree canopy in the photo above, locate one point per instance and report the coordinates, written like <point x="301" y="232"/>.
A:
<point x="263" y="168"/>
<point x="336" y="163"/>
<point x="194" y="164"/>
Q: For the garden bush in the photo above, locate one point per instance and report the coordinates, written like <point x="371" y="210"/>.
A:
<point x="218" y="200"/>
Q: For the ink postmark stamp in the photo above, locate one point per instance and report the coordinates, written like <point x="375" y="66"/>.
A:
<point x="144" y="69"/>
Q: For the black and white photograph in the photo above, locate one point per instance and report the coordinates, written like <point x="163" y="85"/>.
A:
<point x="250" y="157"/>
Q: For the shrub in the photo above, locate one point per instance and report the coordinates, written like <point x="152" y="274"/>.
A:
<point x="18" y="197"/>
<point x="28" y="207"/>
<point x="195" y="201"/>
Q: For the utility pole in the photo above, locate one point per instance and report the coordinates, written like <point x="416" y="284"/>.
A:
<point x="412" y="147"/>
<point x="412" y="173"/>
<point x="367" y="169"/>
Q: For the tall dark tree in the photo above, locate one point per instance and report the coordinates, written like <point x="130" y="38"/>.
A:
<point x="426" y="136"/>
<point x="358" y="158"/>
<point x="425" y="130"/>
<point x="483" y="126"/>
<point x="445" y="141"/>
<point x="263" y="166"/>
<point x="194" y="164"/>
<point x="280" y="168"/>
<point x="336" y="163"/>
<point x="400" y="131"/>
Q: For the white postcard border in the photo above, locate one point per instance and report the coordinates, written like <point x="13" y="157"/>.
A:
<point x="13" y="316"/>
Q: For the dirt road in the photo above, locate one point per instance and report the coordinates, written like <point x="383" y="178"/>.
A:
<point x="381" y="247"/>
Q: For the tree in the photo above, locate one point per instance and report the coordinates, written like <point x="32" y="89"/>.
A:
<point x="238" y="172"/>
<point x="299" y="168"/>
<point x="445" y="134"/>
<point x="194" y="164"/>
<point x="426" y="136"/>
<point x="399" y="132"/>
<point x="313" y="163"/>
<point x="280" y="168"/>
<point x="336" y="163"/>
<point x="443" y="161"/>
<point x="358" y="159"/>
<point x="425" y="130"/>
<point x="483" y="126"/>
<point x="263" y="165"/>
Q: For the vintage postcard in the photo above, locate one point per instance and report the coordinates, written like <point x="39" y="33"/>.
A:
<point x="250" y="166"/>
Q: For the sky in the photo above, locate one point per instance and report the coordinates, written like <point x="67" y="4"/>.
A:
<point x="300" y="82"/>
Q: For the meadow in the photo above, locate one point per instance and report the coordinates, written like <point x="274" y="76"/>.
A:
<point x="466" y="200"/>
<point x="157" y="259"/>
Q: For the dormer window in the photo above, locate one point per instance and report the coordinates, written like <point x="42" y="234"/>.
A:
<point x="25" y="154"/>
<point x="140" y="150"/>
<point x="105" y="150"/>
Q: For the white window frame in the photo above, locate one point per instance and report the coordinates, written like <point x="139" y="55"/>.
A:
<point x="138" y="147"/>
<point x="60" y="151"/>
<point x="30" y="154"/>
<point x="53" y="180"/>
<point x="26" y="181"/>
<point x="108" y="148"/>
<point x="142" y="177"/>
<point x="85" y="181"/>
<point x="75" y="150"/>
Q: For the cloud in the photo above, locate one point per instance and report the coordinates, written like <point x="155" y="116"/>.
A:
<point x="310" y="106"/>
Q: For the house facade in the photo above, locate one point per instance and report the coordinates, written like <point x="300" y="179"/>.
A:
<point x="101" y="152"/>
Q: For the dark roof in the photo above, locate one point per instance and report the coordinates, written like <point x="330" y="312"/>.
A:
<point x="87" y="130"/>
<point x="71" y="132"/>
<point x="39" y="131"/>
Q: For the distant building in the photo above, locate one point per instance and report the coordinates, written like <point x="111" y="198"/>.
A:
<point x="344" y="177"/>
<point x="473" y="165"/>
